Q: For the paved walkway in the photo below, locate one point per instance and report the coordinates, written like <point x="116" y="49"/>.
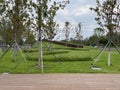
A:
<point x="60" y="82"/>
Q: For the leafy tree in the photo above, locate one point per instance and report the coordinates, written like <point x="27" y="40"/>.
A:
<point x="5" y="31"/>
<point x="3" y="22"/>
<point x="115" y="38"/>
<point x="51" y="25"/>
<point x="91" y="40"/>
<point x="98" y="33"/>
<point x="67" y="28"/>
<point x="108" y="15"/>
<point x="16" y="12"/>
<point x="95" y="40"/>
<point x="44" y="13"/>
<point x="78" y="33"/>
<point x="103" y="40"/>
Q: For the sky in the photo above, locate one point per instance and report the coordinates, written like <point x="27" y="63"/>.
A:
<point x="75" y="12"/>
<point x="78" y="11"/>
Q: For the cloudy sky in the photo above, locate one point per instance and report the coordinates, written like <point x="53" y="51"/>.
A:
<point x="78" y="11"/>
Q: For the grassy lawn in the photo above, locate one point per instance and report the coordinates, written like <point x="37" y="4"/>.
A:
<point x="60" y="60"/>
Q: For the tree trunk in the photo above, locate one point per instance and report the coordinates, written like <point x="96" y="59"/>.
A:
<point x="40" y="59"/>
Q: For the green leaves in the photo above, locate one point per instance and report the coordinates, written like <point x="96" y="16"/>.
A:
<point x="46" y="11"/>
<point x="16" y="11"/>
<point x="24" y="14"/>
<point x="107" y="14"/>
<point x="2" y="8"/>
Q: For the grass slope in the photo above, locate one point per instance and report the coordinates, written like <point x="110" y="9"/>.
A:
<point x="60" y="60"/>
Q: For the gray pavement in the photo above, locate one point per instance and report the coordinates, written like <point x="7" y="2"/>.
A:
<point x="60" y="82"/>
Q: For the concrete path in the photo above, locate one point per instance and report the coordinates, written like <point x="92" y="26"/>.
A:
<point x="60" y="82"/>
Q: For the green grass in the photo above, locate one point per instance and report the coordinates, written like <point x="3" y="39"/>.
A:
<point x="60" y="60"/>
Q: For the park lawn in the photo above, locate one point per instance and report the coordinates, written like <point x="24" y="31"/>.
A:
<point x="60" y="59"/>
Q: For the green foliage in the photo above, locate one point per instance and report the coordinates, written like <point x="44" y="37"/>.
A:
<point x="5" y="31"/>
<point x="108" y="15"/>
<point x="46" y="11"/>
<point x="26" y="15"/>
<point x="103" y="40"/>
<point x="17" y="18"/>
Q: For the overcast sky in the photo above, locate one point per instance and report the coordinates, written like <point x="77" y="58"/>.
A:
<point x="78" y="11"/>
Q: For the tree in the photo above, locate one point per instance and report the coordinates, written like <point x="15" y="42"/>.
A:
<point x="43" y="13"/>
<point x="98" y="32"/>
<point x="78" y="33"/>
<point x="115" y="38"/>
<point x="103" y="40"/>
<point x="5" y="31"/>
<point x="67" y="31"/>
<point x="16" y="13"/>
<point x="51" y="25"/>
<point x="108" y="17"/>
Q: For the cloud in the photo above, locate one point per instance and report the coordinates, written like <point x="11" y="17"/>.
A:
<point x="64" y="12"/>
<point x="76" y="8"/>
<point x="78" y="11"/>
<point x="84" y="10"/>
